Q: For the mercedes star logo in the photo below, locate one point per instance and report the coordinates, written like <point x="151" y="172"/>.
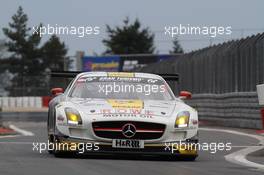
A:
<point x="129" y="130"/>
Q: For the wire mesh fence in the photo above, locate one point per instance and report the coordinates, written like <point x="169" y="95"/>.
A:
<point x="28" y="86"/>
<point x="234" y="66"/>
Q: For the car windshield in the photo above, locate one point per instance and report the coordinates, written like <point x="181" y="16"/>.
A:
<point x="121" y="88"/>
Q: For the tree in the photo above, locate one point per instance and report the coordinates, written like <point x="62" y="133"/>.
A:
<point x="54" y="54"/>
<point x="3" y="50"/>
<point x="55" y="59"/>
<point x="129" y="39"/>
<point x="21" y="44"/>
<point x="26" y="54"/>
<point x="29" y="61"/>
<point x="177" y="48"/>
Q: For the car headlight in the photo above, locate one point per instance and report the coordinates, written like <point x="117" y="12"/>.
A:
<point x="73" y="116"/>
<point x="182" y="119"/>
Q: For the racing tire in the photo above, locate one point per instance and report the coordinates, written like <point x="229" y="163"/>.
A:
<point x="50" y="150"/>
<point x="183" y="158"/>
<point x="189" y="158"/>
<point x="54" y="151"/>
<point x="60" y="153"/>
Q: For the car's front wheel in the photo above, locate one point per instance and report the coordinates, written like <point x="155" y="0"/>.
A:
<point x="190" y="158"/>
<point x="50" y="148"/>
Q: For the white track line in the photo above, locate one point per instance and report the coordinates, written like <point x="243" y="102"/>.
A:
<point x="8" y="136"/>
<point x="239" y="157"/>
<point x="21" y="131"/>
<point x="17" y="143"/>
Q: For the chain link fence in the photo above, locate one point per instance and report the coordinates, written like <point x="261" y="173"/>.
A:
<point x="32" y="85"/>
<point x="223" y="79"/>
<point x="235" y="66"/>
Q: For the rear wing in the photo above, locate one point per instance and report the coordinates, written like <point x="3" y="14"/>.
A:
<point x="64" y="74"/>
<point x="72" y="74"/>
<point x="170" y="77"/>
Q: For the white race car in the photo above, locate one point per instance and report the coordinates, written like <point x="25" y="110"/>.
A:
<point x="118" y="112"/>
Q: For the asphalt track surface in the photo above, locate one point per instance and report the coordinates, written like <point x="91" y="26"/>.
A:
<point x="17" y="157"/>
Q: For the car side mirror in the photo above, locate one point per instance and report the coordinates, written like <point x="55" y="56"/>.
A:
<point x="185" y="95"/>
<point x="56" y="91"/>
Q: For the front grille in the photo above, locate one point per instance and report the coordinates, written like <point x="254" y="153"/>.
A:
<point x="113" y="130"/>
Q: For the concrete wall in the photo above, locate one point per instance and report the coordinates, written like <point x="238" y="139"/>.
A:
<point x="23" y="116"/>
<point x="240" y="109"/>
<point x="260" y="91"/>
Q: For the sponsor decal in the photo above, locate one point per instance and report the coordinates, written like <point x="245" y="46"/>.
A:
<point x="120" y="74"/>
<point x="121" y="143"/>
<point x="119" y="115"/>
<point x="128" y="115"/>
<point x="126" y="79"/>
<point x="127" y="111"/>
<point x="58" y="106"/>
<point x="60" y="118"/>
<point x="90" y="78"/>
<point x="163" y="113"/>
<point x="138" y="104"/>
<point x="81" y="80"/>
<point x="152" y="80"/>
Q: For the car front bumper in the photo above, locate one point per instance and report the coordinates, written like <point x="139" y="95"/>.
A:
<point x="81" y="146"/>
